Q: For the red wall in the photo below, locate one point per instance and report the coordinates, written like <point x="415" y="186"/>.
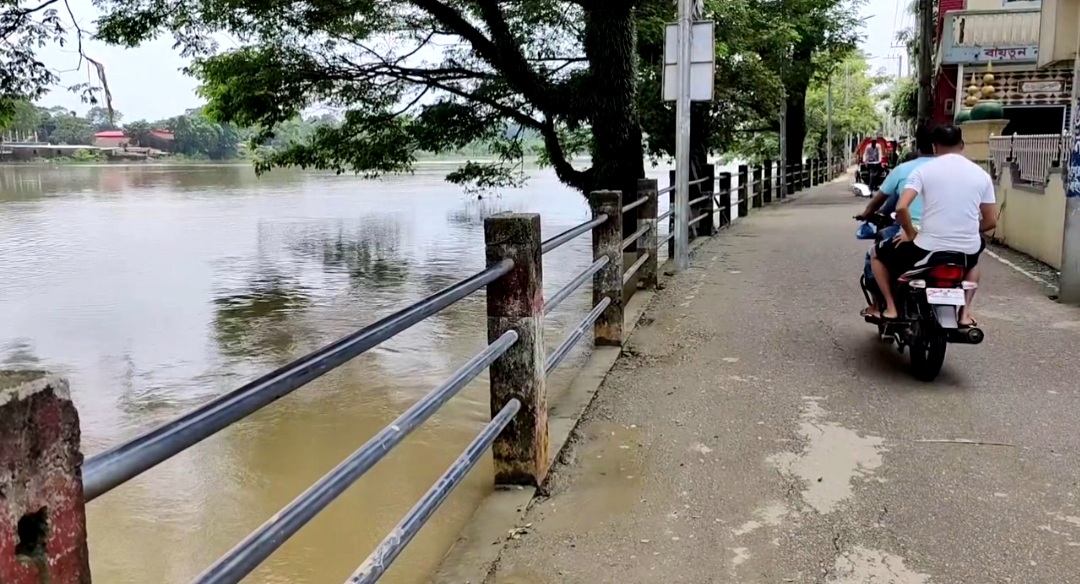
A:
<point x="944" y="89"/>
<point x="944" y="7"/>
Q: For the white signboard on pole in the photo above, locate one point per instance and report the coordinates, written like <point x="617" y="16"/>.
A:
<point x="702" y="61"/>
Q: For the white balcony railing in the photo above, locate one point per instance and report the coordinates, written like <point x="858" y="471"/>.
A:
<point x="1034" y="155"/>
<point x="980" y="28"/>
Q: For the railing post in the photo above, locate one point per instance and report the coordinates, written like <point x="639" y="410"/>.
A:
<point x="723" y="187"/>
<point x="607" y="283"/>
<point x="806" y="173"/>
<point x="671" y="217"/>
<point x="744" y="191"/>
<point x="706" y="227"/>
<point x="647" y="212"/>
<point x="792" y="184"/>
<point x="759" y="198"/>
<point x="42" y="510"/>
<point x="767" y="189"/>
<point x="516" y="302"/>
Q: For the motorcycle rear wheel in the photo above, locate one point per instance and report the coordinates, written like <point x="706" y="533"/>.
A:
<point x="928" y="354"/>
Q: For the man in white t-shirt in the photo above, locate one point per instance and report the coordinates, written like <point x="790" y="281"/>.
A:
<point x="958" y="206"/>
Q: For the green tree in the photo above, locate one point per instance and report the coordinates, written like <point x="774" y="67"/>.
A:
<point x="103" y="118"/>
<point x="23" y="122"/>
<point x="556" y="67"/>
<point x="71" y="129"/>
<point x="26" y="26"/>
<point x="745" y="88"/>
<point x="197" y="135"/>
<point x="857" y="98"/>
<point x="138" y="130"/>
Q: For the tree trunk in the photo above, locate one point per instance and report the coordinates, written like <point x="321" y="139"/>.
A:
<point x="618" y="159"/>
<point x="796" y="122"/>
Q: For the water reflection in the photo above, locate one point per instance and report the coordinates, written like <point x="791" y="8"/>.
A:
<point x="260" y="320"/>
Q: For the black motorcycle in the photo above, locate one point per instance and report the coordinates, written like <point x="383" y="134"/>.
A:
<point x="928" y="298"/>
<point x="872" y="174"/>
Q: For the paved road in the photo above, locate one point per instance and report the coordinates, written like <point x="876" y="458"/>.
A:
<point x="755" y="432"/>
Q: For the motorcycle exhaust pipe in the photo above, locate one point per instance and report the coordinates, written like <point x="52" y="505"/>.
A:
<point x="968" y="336"/>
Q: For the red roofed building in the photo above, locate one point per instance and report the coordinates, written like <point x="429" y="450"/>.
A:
<point x="156" y="139"/>
<point x="110" y="139"/>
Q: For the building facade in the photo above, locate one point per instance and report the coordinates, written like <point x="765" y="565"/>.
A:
<point x="1007" y="37"/>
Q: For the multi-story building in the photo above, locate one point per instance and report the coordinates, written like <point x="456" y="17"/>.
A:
<point x="1030" y="46"/>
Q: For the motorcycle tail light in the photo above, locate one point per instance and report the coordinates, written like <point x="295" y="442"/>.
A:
<point x="945" y="276"/>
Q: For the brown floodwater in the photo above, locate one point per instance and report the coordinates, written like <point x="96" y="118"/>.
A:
<point x="156" y="288"/>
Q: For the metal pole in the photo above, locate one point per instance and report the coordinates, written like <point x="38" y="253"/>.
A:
<point x="1069" y="283"/>
<point x="926" y="32"/>
<point x="682" y="144"/>
<point x="783" y="170"/>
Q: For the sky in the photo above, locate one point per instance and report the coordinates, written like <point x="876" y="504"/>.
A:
<point x="146" y="82"/>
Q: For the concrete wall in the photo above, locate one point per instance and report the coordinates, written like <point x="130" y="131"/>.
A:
<point x="1031" y="219"/>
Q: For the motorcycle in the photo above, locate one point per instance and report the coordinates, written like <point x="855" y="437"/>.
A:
<point x="929" y="299"/>
<point x="872" y="175"/>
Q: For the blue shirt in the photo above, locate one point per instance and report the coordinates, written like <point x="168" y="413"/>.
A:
<point x="894" y="187"/>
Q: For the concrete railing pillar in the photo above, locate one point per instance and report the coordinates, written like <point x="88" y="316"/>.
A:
<point x="647" y="213"/>
<point x="42" y="510"/>
<point x="607" y="283"/>
<point x="706" y="227"/>
<point x="516" y="302"/>
<point x="723" y="189"/>
<point x="744" y="190"/>
<point x="758" y="188"/>
<point x="767" y="187"/>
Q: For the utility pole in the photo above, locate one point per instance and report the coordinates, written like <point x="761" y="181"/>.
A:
<point x="682" y="134"/>
<point x="782" y="172"/>
<point x="828" y="133"/>
<point x="926" y="58"/>
<point x="1069" y="283"/>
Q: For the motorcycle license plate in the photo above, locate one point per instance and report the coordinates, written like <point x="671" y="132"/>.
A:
<point x="949" y="296"/>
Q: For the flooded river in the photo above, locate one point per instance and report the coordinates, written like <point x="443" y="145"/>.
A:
<point x="155" y="288"/>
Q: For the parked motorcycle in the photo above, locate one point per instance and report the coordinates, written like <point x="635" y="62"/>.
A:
<point x="929" y="299"/>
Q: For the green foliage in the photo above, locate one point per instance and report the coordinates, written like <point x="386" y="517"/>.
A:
<point x="552" y="67"/>
<point x="856" y="101"/>
<point x="746" y="87"/>
<point x="904" y="100"/>
<point x="102" y="118"/>
<point x="26" y="26"/>
<point x="766" y="52"/>
<point x="71" y="129"/>
<point x="196" y="134"/>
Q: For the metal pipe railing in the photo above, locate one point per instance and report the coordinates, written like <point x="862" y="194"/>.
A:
<point x="392" y="545"/>
<point x="634" y="236"/>
<point x="700" y="199"/>
<point x="574" y="284"/>
<point x="573" y="232"/>
<point x="635" y="267"/>
<point x="695" y="220"/>
<point x="575" y="335"/>
<point x="255" y="548"/>
<point x="119" y="464"/>
<point x="664" y="215"/>
<point x="635" y="204"/>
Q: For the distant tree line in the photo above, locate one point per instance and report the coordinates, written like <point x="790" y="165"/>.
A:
<point x="195" y="135"/>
